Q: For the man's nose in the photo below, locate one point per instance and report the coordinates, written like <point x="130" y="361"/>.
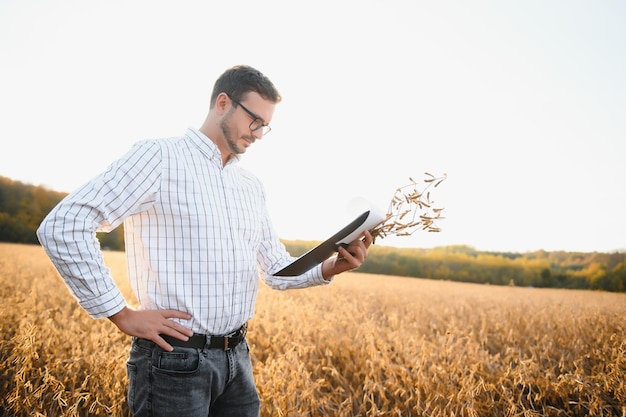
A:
<point x="257" y="134"/>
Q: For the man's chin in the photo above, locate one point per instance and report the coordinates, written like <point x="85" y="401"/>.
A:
<point x="246" y="144"/>
<point x="239" y="149"/>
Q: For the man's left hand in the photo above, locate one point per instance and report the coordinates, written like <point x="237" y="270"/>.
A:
<point x="348" y="258"/>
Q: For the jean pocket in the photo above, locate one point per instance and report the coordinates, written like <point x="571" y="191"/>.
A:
<point x="180" y="361"/>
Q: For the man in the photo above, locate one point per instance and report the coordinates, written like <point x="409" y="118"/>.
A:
<point x="197" y="236"/>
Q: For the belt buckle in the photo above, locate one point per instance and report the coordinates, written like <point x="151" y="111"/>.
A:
<point x="240" y="333"/>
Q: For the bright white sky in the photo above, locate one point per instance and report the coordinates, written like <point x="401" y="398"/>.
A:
<point x="521" y="103"/>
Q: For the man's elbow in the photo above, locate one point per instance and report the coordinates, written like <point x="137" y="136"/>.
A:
<point x="44" y="232"/>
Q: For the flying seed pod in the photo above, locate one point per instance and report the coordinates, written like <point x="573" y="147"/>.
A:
<point x="411" y="209"/>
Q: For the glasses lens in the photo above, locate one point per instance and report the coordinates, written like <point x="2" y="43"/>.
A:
<point x="258" y="124"/>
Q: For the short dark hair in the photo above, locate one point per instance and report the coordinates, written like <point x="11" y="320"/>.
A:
<point x="242" y="79"/>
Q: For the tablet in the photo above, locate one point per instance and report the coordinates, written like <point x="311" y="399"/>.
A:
<point x="365" y="221"/>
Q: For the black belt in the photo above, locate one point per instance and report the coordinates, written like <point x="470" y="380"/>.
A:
<point x="200" y="341"/>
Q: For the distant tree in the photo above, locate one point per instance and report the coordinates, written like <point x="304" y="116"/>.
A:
<point x="546" y="278"/>
<point x="24" y="206"/>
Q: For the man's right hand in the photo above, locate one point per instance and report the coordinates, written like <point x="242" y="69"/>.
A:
<point x="150" y="324"/>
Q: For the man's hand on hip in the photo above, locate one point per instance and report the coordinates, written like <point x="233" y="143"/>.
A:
<point x="150" y="324"/>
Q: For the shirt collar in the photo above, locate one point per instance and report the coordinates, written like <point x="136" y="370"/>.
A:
<point x="208" y="147"/>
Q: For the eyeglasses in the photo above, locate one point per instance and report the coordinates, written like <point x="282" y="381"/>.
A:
<point x="257" y="122"/>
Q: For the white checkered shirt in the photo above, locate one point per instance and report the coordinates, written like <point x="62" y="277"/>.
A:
<point x="197" y="235"/>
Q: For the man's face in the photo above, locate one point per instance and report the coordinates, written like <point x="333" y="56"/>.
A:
<point x="245" y="122"/>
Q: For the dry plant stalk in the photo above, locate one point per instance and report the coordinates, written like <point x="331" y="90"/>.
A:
<point x="411" y="209"/>
<point x="377" y="346"/>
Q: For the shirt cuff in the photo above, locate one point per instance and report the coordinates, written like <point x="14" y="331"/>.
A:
<point x="106" y="305"/>
<point x="319" y="277"/>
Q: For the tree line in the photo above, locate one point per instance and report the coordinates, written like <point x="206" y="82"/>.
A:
<point x="23" y="207"/>
<point x="559" y="269"/>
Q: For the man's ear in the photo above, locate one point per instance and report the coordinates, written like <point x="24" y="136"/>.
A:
<point x="222" y="103"/>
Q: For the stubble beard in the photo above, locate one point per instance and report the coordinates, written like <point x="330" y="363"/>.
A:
<point x="230" y="138"/>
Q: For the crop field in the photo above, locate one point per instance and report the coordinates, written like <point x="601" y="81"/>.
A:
<point x="367" y="345"/>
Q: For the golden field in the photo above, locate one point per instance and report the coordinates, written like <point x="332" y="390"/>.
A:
<point x="368" y="345"/>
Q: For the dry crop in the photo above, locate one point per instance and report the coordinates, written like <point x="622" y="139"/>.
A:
<point x="365" y="346"/>
<point x="411" y="209"/>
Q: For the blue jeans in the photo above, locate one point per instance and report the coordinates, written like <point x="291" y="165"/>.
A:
<point x="190" y="382"/>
